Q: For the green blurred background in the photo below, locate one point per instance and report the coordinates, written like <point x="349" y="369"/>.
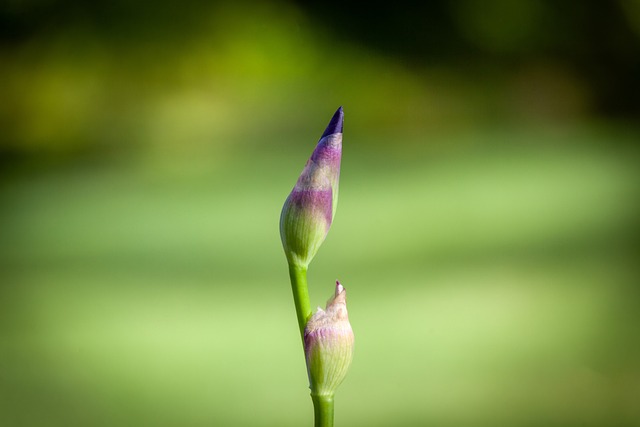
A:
<point x="486" y="230"/>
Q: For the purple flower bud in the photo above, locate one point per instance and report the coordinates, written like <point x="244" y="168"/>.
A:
<point x="328" y="345"/>
<point x="309" y="210"/>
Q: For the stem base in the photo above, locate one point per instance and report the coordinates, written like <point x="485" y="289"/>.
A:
<point x="322" y="410"/>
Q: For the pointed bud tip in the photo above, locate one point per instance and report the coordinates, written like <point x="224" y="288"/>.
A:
<point x="339" y="299"/>
<point x="335" y="125"/>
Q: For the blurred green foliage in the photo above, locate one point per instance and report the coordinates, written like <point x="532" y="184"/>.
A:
<point x="486" y="230"/>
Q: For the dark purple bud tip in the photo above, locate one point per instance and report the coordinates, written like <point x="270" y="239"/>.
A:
<point x="335" y="125"/>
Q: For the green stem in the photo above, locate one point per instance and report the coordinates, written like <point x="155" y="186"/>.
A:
<point x="323" y="410"/>
<point x="300" y="295"/>
<point x="322" y="405"/>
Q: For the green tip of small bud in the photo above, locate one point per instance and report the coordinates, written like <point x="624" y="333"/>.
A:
<point x="328" y="345"/>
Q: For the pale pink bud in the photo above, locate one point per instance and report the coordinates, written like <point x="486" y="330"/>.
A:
<point x="328" y="345"/>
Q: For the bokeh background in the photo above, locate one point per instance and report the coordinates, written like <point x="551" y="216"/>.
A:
<point x="486" y="229"/>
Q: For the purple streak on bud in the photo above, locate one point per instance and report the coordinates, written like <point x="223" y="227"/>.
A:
<point x="318" y="200"/>
<point x="310" y="208"/>
<point x="328" y="154"/>
<point x="328" y="345"/>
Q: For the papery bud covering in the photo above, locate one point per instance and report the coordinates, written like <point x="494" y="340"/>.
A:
<point x="309" y="210"/>
<point x="328" y="345"/>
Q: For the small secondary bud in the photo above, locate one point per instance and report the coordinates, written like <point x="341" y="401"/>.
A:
<point x="308" y="212"/>
<point x="328" y="345"/>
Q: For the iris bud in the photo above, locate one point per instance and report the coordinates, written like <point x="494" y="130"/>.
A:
<point x="328" y="345"/>
<point x="309" y="210"/>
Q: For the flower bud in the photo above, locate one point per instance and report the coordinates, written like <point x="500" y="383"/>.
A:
<point x="309" y="210"/>
<point x="328" y="345"/>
